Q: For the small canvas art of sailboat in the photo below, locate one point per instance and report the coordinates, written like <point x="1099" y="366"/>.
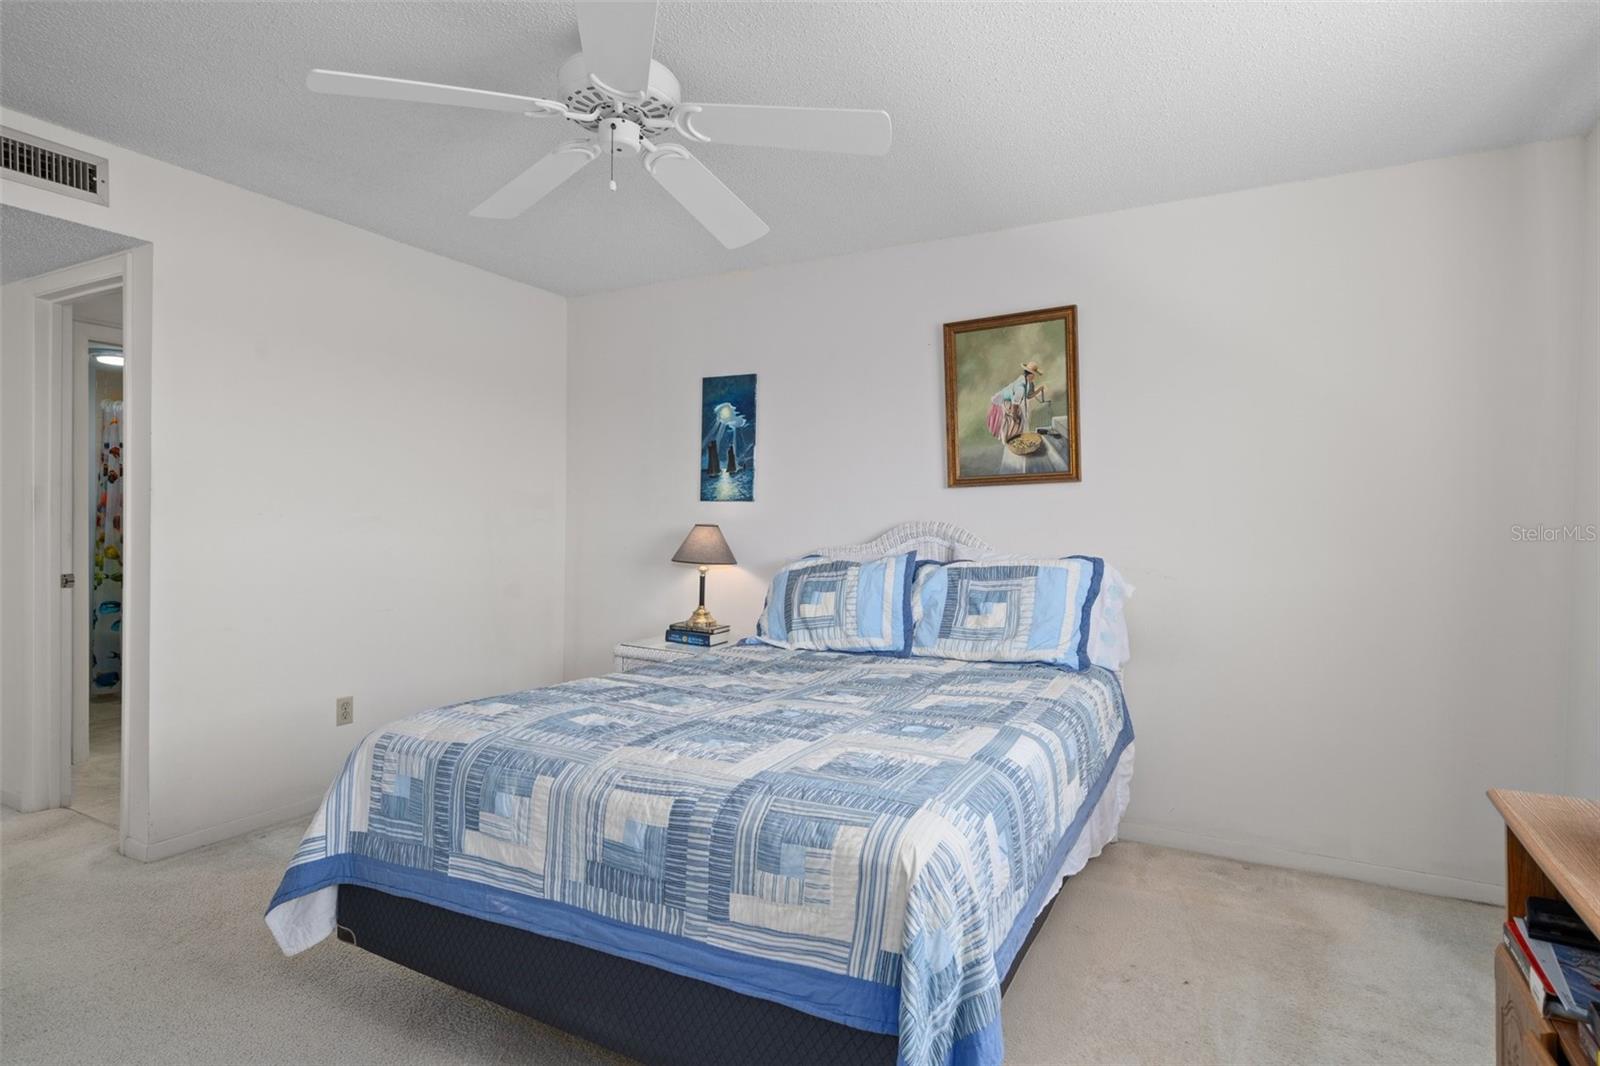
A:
<point x="728" y="438"/>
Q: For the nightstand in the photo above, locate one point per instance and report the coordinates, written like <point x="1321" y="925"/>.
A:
<point x="632" y="654"/>
<point x="1552" y="851"/>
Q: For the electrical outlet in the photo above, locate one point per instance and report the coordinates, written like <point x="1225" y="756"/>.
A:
<point x="344" y="710"/>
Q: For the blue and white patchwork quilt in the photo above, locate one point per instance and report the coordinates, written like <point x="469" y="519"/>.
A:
<point x="864" y="838"/>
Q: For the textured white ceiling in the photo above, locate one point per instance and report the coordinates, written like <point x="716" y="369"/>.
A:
<point x="1005" y="114"/>
<point x="32" y="244"/>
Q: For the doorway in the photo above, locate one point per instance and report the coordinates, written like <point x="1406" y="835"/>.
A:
<point x="97" y="463"/>
<point x="74" y="601"/>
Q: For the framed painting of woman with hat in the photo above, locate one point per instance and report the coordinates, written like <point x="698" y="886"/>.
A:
<point x="1011" y="398"/>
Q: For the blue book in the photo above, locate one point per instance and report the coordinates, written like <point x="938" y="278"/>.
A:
<point x="1574" y="975"/>
<point x="698" y="638"/>
<point x="1580" y="972"/>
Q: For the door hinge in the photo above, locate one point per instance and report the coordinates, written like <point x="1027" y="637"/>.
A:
<point x="68" y="580"/>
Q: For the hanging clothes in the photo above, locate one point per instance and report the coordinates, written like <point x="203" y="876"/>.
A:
<point x="105" y="599"/>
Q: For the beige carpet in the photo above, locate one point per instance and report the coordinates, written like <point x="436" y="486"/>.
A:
<point x="97" y="781"/>
<point x="1151" y="956"/>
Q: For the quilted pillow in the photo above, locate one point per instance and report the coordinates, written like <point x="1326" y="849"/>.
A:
<point x="1020" y="610"/>
<point x="841" y="605"/>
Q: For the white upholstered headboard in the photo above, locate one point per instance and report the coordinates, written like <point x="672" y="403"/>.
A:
<point x="940" y="541"/>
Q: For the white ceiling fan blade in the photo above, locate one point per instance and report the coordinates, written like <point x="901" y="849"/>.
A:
<point x="341" y="83"/>
<point x="810" y="129"/>
<point x="538" y="181"/>
<point x="712" y="203"/>
<point x="618" y="38"/>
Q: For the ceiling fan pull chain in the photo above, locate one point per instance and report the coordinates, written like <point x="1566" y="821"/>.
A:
<point x="613" y="128"/>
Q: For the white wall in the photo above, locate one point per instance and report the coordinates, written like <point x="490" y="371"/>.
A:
<point x="1583" y="747"/>
<point x="358" y="484"/>
<point x="1310" y="414"/>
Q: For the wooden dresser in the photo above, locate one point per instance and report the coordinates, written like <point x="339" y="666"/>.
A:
<point x="1552" y="850"/>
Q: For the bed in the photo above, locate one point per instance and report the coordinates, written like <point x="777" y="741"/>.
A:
<point x="753" y="855"/>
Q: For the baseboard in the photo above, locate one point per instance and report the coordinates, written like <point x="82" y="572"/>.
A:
<point x="1354" y="869"/>
<point x="154" y="851"/>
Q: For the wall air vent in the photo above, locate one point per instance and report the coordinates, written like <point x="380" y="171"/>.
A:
<point x="36" y="161"/>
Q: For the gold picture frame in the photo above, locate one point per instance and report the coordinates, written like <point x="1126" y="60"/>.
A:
<point x="999" y="372"/>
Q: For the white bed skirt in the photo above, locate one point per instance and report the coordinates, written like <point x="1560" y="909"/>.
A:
<point x="1101" y="828"/>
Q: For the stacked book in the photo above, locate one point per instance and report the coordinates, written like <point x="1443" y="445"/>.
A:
<point x="697" y="636"/>
<point x="1560" y="957"/>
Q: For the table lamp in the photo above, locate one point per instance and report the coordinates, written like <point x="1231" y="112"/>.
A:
<point x="705" y="547"/>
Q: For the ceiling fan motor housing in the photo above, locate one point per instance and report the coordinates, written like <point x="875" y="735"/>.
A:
<point x="619" y="136"/>
<point x="649" y="108"/>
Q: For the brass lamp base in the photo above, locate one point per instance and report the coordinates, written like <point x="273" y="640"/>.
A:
<point x="701" y="619"/>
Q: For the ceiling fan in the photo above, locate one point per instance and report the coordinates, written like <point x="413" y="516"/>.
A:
<point x="623" y="100"/>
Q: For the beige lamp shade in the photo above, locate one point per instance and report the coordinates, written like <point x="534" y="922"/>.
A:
<point x="705" y="546"/>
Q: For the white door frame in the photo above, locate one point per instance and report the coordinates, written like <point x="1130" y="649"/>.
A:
<point x="48" y="781"/>
<point x="85" y="471"/>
